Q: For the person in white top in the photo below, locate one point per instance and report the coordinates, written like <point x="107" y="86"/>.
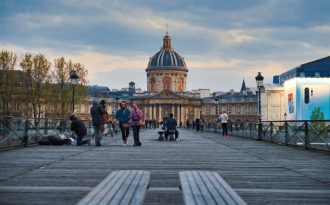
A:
<point x="224" y="120"/>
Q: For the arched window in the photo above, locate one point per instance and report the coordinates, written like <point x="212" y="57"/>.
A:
<point x="180" y="85"/>
<point x="153" y="84"/>
<point x="167" y="83"/>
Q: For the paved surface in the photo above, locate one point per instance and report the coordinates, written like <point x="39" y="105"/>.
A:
<point x="261" y="173"/>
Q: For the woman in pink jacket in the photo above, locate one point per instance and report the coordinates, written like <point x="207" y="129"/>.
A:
<point x="136" y="119"/>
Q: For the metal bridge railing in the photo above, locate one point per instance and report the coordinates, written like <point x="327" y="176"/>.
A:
<point x="22" y="131"/>
<point x="307" y="133"/>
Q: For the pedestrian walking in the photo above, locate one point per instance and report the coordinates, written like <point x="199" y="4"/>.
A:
<point x="150" y="123"/>
<point x="202" y="124"/>
<point x="136" y="119"/>
<point x="97" y="113"/>
<point x="80" y="130"/>
<point x="197" y="124"/>
<point x="154" y="122"/>
<point x="122" y="115"/>
<point x="224" y="123"/>
<point x="106" y="118"/>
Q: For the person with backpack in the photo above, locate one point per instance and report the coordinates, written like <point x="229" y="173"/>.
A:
<point x="136" y="119"/>
<point x="122" y="115"/>
<point x="224" y="121"/>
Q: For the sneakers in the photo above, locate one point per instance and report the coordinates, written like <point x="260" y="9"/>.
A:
<point x="98" y="144"/>
<point x="124" y="143"/>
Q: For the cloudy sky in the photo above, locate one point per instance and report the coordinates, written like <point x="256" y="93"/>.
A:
<point x="223" y="41"/>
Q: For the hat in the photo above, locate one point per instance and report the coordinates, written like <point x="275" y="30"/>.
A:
<point x="72" y="117"/>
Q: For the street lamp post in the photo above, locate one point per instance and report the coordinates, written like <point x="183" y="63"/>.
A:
<point x="216" y="113"/>
<point x="259" y="79"/>
<point x="74" y="81"/>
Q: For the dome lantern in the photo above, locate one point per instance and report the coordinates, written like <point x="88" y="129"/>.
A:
<point x="167" y="42"/>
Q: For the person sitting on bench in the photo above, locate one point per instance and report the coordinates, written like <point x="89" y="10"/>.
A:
<point x="170" y="125"/>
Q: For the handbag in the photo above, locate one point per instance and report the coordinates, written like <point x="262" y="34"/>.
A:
<point x="105" y="117"/>
<point x="141" y="122"/>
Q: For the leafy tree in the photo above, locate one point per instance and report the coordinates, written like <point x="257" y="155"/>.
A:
<point x="37" y="69"/>
<point x="317" y="114"/>
<point x="62" y="95"/>
<point x="7" y="81"/>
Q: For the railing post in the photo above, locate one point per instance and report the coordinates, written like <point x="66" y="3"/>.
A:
<point x="271" y="132"/>
<point x="250" y="128"/>
<point x="215" y="127"/>
<point x="46" y="127"/>
<point x="26" y="129"/>
<point x="259" y="130"/>
<point x="62" y="125"/>
<point x="286" y="136"/>
<point x="306" y="135"/>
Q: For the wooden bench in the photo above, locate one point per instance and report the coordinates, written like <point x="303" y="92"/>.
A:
<point x="120" y="187"/>
<point x="205" y="187"/>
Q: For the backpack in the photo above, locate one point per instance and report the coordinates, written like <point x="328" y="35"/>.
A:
<point x="136" y="116"/>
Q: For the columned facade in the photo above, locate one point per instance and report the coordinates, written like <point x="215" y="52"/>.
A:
<point x="159" y="106"/>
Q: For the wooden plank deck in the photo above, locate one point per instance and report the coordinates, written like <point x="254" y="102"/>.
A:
<point x="260" y="172"/>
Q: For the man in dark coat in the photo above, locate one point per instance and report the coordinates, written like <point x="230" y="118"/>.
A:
<point x="79" y="128"/>
<point x="171" y="124"/>
<point x="97" y="112"/>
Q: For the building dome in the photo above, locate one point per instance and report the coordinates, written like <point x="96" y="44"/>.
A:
<point x="166" y="58"/>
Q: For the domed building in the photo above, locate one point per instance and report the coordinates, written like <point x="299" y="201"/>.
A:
<point x="167" y="70"/>
<point x="166" y="87"/>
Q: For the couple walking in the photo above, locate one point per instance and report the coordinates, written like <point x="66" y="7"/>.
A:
<point x="129" y="118"/>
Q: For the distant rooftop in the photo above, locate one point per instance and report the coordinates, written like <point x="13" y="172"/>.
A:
<point x="317" y="68"/>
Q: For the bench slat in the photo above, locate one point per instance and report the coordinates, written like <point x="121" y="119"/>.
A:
<point x="94" y="196"/>
<point x="231" y="196"/>
<point x="136" y="190"/>
<point x="117" y="190"/>
<point x="119" y="187"/>
<point x="225" y="192"/>
<point x="196" y="193"/>
<point x="205" y="187"/>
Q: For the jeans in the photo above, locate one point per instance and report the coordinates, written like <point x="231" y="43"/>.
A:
<point x="98" y="132"/>
<point x="224" y="129"/>
<point x="124" y="131"/>
<point x="136" y="135"/>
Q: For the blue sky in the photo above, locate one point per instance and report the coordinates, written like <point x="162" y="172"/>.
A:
<point x="223" y="41"/>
